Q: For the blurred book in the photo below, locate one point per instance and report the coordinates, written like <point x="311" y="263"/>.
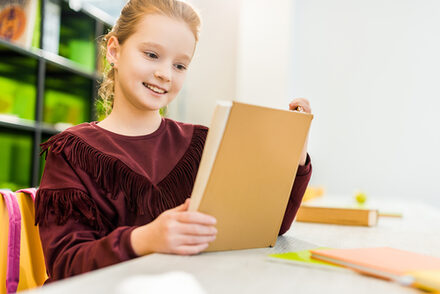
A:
<point x="52" y="22"/>
<point x="312" y="193"/>
<point x="337" y="215"/>
<point x="405" y="267"/>
<point x="17" y="21"/>
<point x="304" y="258"/>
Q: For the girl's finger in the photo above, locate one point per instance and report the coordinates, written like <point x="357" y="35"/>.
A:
<point x="191" y="249"/>
<point x="193" y="217"/>
<point x="196" y="229"/>
<point x="299" y="101"/>
<point x="195" y="240"/>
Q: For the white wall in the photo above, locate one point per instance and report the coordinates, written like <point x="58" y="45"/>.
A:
<point x="212" y="74"/>
<point x="372" y="72"/>
<point x="264" y="52"/>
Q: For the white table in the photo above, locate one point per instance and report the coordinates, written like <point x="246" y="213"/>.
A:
<point x="249" y="271"/>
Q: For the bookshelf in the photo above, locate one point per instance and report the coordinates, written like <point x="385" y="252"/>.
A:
<point x="42" y="91"/>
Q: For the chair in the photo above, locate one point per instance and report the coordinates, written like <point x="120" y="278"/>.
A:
<point x="22" y="265"/>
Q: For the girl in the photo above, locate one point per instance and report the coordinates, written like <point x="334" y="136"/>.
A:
<point x="118" y="189"/>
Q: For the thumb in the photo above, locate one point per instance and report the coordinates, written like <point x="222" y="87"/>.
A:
<point x="183" y="207"/>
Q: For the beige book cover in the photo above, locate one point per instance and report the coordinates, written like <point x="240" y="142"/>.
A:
<point x="247" y="171"/>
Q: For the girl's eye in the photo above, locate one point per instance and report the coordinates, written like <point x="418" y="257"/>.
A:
<point x="180" y="66"/>
<point x="151" y="55"/>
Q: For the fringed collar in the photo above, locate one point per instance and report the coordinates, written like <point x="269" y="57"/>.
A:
<point x="112" y="174"/>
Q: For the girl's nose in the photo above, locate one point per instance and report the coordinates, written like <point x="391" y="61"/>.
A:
<point x="162" y="75"/>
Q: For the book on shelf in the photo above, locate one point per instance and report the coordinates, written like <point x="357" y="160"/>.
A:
<point x="337" y="215"/>
<point x="247" y="170"/>
<point x="17" y="21"/>
<point x="405" y="267"/>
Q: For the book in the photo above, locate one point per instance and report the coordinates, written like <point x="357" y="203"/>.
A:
<point x="247" y="170"/>
<point x="17" y="21"/>
<point x="337" y="215"/>
<point x="304" y="258"/>
<point x="426" y="280"/>
<point x="382" y="262"/>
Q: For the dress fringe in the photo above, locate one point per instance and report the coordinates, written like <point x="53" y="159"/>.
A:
<point x="114" y="175"/>
<point x="65" y="204"/>
<point x="177" y="186"/>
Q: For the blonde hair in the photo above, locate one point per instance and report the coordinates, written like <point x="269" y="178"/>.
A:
<point x="125" y="26"/>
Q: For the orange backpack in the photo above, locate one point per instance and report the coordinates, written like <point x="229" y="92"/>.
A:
<point x="22" y="265"/>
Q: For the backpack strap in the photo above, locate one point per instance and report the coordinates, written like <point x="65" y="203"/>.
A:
<point x="13" y="263"/>
<point x="30" y="191"/>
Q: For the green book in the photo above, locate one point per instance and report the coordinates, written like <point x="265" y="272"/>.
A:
<point x="304" y="258"/>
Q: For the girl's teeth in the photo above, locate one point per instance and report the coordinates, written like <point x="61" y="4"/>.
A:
<point x="157" y="90"/>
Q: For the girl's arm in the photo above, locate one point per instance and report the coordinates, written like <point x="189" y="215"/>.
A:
<point x="298" y="189"/>
<point x="302" y="175"/>
<point x="74" y="233"/>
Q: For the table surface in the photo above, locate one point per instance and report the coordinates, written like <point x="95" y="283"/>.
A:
<point x="250" y="271"/>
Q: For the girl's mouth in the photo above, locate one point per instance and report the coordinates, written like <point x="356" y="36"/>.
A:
<point x="154" y="88"/>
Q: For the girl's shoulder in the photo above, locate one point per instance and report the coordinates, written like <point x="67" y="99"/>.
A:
<point x="66" y="138"/>
<point x="178" y="126"/>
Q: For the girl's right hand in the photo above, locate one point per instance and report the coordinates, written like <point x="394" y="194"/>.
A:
<point x="176" y="231"/>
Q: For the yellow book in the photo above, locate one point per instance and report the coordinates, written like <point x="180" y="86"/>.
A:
<point x="337" y="215"/>
<point x="428" y="280"/>
<point x="247" y="170"/>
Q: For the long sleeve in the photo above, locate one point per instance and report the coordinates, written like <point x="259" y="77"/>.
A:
<point x="72" y="227"/>
<point x="298" y="189"/>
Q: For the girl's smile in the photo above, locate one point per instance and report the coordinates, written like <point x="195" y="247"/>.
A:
<point x="155" y="89"/>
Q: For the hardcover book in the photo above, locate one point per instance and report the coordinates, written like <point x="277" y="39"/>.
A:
<point x="247" y="170"/>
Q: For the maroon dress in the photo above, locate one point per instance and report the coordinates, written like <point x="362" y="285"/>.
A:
<point x="98" y="186"/>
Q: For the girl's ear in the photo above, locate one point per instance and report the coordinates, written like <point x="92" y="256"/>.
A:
<point x="113" y="49"/>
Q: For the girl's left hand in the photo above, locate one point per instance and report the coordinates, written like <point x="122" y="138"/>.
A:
<point x="301" y="105"/>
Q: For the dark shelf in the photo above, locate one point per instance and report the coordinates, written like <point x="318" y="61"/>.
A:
<point x="47" y="88"/>
<point x="8" y="49"/>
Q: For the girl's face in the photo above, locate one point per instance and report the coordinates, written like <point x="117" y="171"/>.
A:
<point x="151" y="64"/>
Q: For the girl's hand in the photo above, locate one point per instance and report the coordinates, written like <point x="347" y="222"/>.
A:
<point x="301" y="105"/>
<point x="175" y="231"/>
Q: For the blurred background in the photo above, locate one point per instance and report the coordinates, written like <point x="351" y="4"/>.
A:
<point x="371" y="70"/>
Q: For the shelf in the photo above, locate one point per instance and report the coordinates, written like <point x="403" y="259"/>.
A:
<point x="50" y="57"/>
<point x="25" y="125"/>
<point x="45" y="91"/>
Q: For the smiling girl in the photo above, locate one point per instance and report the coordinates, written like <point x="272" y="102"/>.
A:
<point x="118" y="189"/>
